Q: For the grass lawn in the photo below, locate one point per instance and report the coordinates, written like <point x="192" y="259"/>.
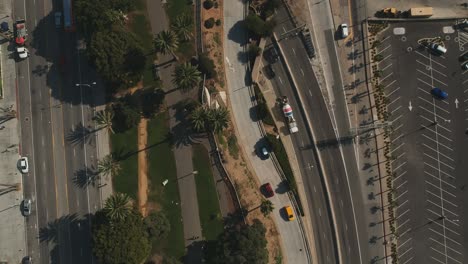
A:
<point x="208" y="203"/>
<point x="175" y="8"/>
<point x="161" y="167"/>
<point x="127" y="179"/>
<point x="141" y="27"/>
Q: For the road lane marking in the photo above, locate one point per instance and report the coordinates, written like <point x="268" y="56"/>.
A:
<point x="396" y="178"/>
<point x="399" y="166"/>
<point x="443" y="163"/>
<point x="401" y="255"/>
<point x="438" y="134"/>
<point x="388" y="85"/>
<point x="438" y="107"/>
<point x="442" y="244"/>
<point x="302" y="72"/>
<point x="294" y="51"/>
<point x="445" y="182"/>
<point x="393" y="150"/>
<point x="310" y="93"/>
<point x="432" y="77"/>
<point x="401" y="225"/>
<point x="437" y="196"/>
<point x="446" y="255"/>
<point x="383" y="79"/>
<point x="402" y="214"/>
<point x="439" y="170"/>
<point x="279" y="78"/>
<point x="445" y="156"/>
<point x="437" y="187"/>
<point x="403" y="183"/>
<point x="43" y="141"/>
<point x="320" y="212"/>
<point x="383" y="69"/>
<point x="438" y="233"/>
<point x="384" y="49"/>
<point x="399" y="196"/>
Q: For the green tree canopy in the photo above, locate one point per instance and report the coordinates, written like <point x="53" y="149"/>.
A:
<point x="258" y="26"/>
<point x="121" y="240"/>
<point x="244" y="245"/>
<point x="206" y="66"/>
<point x="157" y="225"/>
<point x="186" y="76"/>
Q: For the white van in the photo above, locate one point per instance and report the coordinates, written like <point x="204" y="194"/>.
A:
<point x="438" y="48"/>
<point x="344" y="30"/>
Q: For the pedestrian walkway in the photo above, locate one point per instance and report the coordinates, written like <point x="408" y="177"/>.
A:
<point x="12" y="225"/>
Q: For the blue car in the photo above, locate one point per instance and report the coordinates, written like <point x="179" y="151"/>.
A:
<point x="439" y="93"/>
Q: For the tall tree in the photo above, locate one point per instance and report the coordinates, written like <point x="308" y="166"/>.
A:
<point x="166" y="41"/>
<point x="266" y="207"/>
<point x="118" y="207"/>
<point x="182" y="26"/>
<point x="198" y="118"/>
<point x="122" y="240"/>
<point x="108" y="166"/>
<point x="186" y="76"/>
<point x="218" y="119"/>
<point x="103" y="119"/>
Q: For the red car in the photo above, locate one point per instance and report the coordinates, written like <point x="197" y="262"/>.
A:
<point x="267" y="190"/>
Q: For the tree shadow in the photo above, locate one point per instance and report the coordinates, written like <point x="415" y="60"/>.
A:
<point x="334" y="142"/>
<point x="194" y="252"/>
<point x="86" y="176"/>
<point x="80" y="135"/>
<point x="238" y="33"/>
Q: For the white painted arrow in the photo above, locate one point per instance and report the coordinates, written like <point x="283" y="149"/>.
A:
<point x="410" y="107"/>
<point x="456" y="103"/>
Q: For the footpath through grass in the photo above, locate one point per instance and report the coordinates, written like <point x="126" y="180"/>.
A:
<point x="161" y="167"/>
<point x="126" y="181"/>
<point x="208" y="202"/>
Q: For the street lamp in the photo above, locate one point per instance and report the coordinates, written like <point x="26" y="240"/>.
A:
<point x="85" y="84"/>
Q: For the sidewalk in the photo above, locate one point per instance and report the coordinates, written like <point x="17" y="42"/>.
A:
<point x="13" y="225"/>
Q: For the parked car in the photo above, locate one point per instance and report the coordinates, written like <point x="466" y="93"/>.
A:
<point x="438" y="49"/>
<point x="268" y="190"/>
<point x="27" y="204"/>
<point x="27" y="260"/>
<point x="24" y="165"/>
<point x="289" y="212"/>
<point x="465" y="66"/>
<point x="439" y="93"/>
<point x="464" y="57"/>
<point x="265" y="152"/>
<point x="344" y="30"/>
<point x="58" y="19"/>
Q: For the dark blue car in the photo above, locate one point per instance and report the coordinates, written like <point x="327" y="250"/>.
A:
<point x="439" y="93"/>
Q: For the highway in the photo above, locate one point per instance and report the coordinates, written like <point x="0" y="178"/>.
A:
<point x="340" y="177"/>
<point x="54" y="113"/>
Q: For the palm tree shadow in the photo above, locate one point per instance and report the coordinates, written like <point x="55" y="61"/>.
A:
<point x="80" y="135"/>
<point x="183" y="135"/>
<point x="122" y="154"/>
<point x="85" y="177"/>
<point x="50" y="233"/>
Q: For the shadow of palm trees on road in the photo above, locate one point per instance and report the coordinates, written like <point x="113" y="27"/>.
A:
<point x="86" y="176"/>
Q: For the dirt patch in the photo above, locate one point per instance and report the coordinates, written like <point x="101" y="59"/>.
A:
<point x="248" y="189"/>
<point x="142" y="167"/>
<point x="300" y="11"/>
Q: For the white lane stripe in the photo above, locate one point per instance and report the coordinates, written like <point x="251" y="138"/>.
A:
<point x="432" y="77"/>
<point x="432" y="60"/>
<point x="390" y="74"/>
<point x="441" y="198"/>
<point x="396" y="178"/>
<point x="399" y="196"/>
<point x="443" y="163"/>
<point x="396" y="109"/>
<point x="406" y="241"/>
<point x="383" y="69"/>
<point x="423" y="90"/>
<point x="438" y="188"/>
<point x="445" y="156"/>
<point x="437" y="179"/>
<point x="438" y="134"/>
<point x="446" y="255"/>
<point x="394" y="90"/>
<point x="393" y="150"/>
<point x="431" y="103"/>
<point x="436" y="142"/>
<point x="438" y="169"/>
<point x="447" y="247"/>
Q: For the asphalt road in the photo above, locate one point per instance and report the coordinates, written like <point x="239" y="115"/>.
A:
<point x="345" y="193"/>
<point x="52" y="120"/>
<point x="429" y="141"/>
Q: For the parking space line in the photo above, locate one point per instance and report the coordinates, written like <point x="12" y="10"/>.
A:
<point x="384" y="59"/>
<point x="422" y="90"/>
<point x="384" y="49"/>
<point x="383" y="79"/>
<point x="383" y="69"/>
<point x="432" y="77"/>
<point x="406" y="231"/>
<point x="441" y="198"/>
<point x="408" y="260"/>
<point x="439" y="170"/>
<point x="406" y="241"/>
<point x="443" y="163"/>
<point x="402" y="214"/>
<point x="428" y="84"/>
<point x="447" y="247"/>
<point x="429" y="58"/>
<point x="437" y="187"/>
<point x="401" y="255"/>
<point x="393" y="150"/>
<point x="398" y="197"/>
<point x="443" y="209"/>
<point x="396" y="178"/>
<point x="396" y="109"/>
<point x="444" y="226"/>
<point x="427" y="65"/>
<point x="445" y="237"/>
<point x="403" y="183"/>
<point x="438" y="260"/>
<point x="432" y="112"/>
<point x="445" y="156"/>
<point x="396" y="89"/>
<point x="399" y="166"/>
<point x="398" y="127"/>
<point x="394" y="120"/>
<point x="398" y="207"/>
<point x="464" y="83"/>
<point x="447" y="256"/>
<point x="438" y="134"/>
<point x="436" y="142"/>
<point x="399" y="156"/>
<point x="432" y="175"/>
<point x="398" y="98"/>
<point x="438" y="107"/>
<point x="400" y="226"/>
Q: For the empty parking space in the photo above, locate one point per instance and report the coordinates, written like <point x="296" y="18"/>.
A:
<point x="427" y="95"/>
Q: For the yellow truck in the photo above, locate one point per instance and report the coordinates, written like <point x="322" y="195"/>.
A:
<point x="421" y="11"/>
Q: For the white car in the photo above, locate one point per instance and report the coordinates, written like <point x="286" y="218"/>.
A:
<point x="24" y="165"/>
<point x="58" y="19"/>
<point x="344" y="30"/>
<point x="23" y="52"/>
<point x="27" y="207"/>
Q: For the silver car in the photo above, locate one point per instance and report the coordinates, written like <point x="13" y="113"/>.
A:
<point x="24" y="165"/>
<point x="27" y="205"/>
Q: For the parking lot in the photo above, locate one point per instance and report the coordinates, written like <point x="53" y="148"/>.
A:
<point x="429" y="139"/>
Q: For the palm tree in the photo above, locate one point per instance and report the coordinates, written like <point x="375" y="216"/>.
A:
<point x="198" y="118"/>
<point x="104" y="119"/>
<point x="108" y="166"/>
<point x="218" y="119"/>
<point x="183" y="26"/>
<point x="186" y="76"/>
<point x="118" y="206"/>
<point x="266" y="207"/>
<point x="166" y="41"/>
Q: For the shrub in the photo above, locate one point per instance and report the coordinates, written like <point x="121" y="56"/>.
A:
<point x="206" y="66"/>
<point x="258" y="26"/>
<point x="218" y="22"/>
<point x="378" y="57"/>
<point x="209" y="23"/>
<point x="208" y="4"/>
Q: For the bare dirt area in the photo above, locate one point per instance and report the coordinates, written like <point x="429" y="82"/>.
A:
<point x="142" y="167"/>
<point x="248" y="189"/>
<point x="300" y="10"/>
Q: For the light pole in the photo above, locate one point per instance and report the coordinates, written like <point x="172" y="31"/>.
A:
<point x="85" y="84"/>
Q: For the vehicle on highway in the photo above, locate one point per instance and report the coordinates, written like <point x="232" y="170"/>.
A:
<point x="267" y="190"/>
<point x="290" y="213"/>
<point x="344" y="30"/>
<point x="27" y="204"/>
<point x="465" y="66"/>
<point x="22" y="52"/>
<point x="437" y="48"/>
<point x="288" y="114"/>
<point x="439" y="93"/>
<point x="58" y="19"/>
<point x="272" y="55"/>
<point x="27" y="260"/>
<point x="23" y="164"/>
